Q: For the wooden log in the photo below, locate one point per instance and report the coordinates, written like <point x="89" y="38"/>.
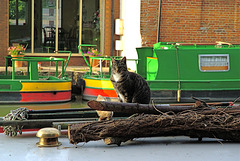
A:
<point x="149" y="108"/>
<point x="218" y="123"/>
<point x="136" y="108"/>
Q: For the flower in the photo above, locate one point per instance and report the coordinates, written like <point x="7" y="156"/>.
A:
<point x="94" y="52"/>
<point x="16" y="50"/>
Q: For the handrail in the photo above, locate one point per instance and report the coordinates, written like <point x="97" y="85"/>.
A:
<point x="79" y="48"/>
<point x="69" y="56"/>
<point x="33" y="61"/>
<point x="100" y="58"/>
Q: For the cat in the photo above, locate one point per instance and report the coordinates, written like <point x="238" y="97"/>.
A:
<point x="130" y="87"/>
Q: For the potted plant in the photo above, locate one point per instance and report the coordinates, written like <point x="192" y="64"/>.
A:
<point x="93" y="52"/>
<point x="17" y="51"/>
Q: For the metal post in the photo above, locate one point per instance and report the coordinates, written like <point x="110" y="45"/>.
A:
<point x="32" y="27"/>
<point x="56" y="35"/>
<point x="13" y="69"/>
<point x="102" y="25"/>
<point x="113" y="27"/>
<point x="80" y="22"/>
<point x="159" y="20"/>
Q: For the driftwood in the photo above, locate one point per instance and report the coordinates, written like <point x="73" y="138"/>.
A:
<point x="221" y="123"/>
<point x="147" y="108"/>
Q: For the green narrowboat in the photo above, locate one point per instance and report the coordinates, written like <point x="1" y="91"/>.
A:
<point x="176" y="72"/>
<point x="32" y="87"/>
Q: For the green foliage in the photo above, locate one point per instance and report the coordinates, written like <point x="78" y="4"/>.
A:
<point x="13" y="9"/>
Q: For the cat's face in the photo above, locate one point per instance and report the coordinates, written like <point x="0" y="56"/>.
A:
<point x="119" y="66"/>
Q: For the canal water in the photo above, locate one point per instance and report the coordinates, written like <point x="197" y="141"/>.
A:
<point x="6" y="108"/>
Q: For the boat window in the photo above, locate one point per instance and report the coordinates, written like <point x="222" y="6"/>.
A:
<point x="212" y="63"/>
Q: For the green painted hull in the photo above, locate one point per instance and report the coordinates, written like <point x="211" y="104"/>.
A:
<point x="176" y="72"/>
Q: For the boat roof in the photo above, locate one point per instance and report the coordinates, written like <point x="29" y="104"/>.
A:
<point x="23" y="148"/>
<point x="180" y="45"/>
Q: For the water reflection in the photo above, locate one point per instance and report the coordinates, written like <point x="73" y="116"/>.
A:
<point x="6" y="108"/>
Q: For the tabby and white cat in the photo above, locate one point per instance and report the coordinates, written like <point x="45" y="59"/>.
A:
<point x="130" y="87"/>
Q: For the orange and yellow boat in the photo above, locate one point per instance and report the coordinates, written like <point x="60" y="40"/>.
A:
<point x="99" y="84"/>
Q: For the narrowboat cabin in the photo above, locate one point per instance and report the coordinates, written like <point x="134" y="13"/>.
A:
<point x="176" y="72"/>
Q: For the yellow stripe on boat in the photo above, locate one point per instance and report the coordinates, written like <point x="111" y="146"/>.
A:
<point x="46" y="86"/>
<point x="94" y="83"/>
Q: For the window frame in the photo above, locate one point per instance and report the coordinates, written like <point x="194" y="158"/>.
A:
<point x="200" y="56"/>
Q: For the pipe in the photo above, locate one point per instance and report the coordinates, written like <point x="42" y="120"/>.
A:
<point x="113" y="27"/>
<point x="159" y="20"/>
<point x="57" y="24"/>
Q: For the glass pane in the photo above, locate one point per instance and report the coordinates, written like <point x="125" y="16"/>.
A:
<point x="18" y="12"/>
<point x="214" y="62"/>
<point x="12" y="12"/>
<point x="45" y="26"/>
<point x="91" y="22"/>
<point x="70" y="24"/>
<point x="20" y="23"/>
<point x="68" y="28"/>
<point x="22" y="12"/>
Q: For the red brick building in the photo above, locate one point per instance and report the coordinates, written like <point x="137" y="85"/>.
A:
<point x="156" y="20"/>
<point x="191" y="21"/>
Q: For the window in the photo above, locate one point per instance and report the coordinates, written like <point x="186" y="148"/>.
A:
<point x="53" y="25"/>
<point x="213" y="63"/>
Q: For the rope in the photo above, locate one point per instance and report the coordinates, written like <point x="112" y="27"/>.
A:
<point x="18" y="114"/>
<point x="179" y="80"/>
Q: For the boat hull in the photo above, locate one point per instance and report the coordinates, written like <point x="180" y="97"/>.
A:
<point x="166" y="96"/>
<point x="161" y="93"/>
<point x="95" y="87"/>
<point x="35" y="91"/>
<point x="35" y="97"/>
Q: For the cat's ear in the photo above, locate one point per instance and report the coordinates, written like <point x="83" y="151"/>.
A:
<point x="124" y="59"/>
<point x="112" y="60"/>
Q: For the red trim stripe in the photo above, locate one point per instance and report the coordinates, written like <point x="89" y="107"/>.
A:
<point x="46" y="96"/>
<point x="102" y="92"/>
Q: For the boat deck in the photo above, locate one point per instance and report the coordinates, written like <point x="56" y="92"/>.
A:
<point x="23" y="148"/>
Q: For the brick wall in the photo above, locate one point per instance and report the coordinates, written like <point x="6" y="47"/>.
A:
<point x="149" y="21"/>
<point x="3" y="30"/>
<point x="191" y="21"/>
